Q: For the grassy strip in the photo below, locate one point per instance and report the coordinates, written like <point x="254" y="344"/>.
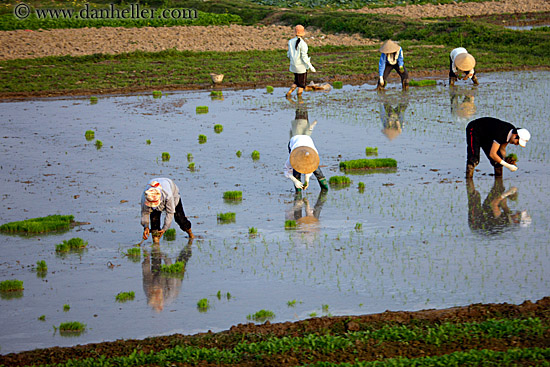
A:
<point x="435" y="335"/>
<point x="457" y="359"/>
<point x="39" y="225"/>
<point x="368" y="163"/>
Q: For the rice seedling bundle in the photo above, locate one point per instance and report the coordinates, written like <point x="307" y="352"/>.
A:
<point x="368" y="163"/>
<point x="39" y="225"/>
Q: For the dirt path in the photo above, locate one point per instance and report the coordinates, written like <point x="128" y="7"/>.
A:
<point x="23" y="44"/>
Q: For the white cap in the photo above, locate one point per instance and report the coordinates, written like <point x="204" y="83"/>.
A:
<point x="523" y="136"/>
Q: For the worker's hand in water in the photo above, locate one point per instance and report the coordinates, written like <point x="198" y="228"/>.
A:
<point x="312" y="69"/>
<point x="160" y="233"/>
<point x="145" y="233"/>
<point x="297" y="183"/>
<point x="382" y="81"/>
<point x="511" y="167"/>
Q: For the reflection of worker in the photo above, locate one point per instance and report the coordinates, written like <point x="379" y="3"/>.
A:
<point x="461" y="62"/>
<point x="161" y="289"/>
<point x="492" y="135"/>
<point x="311" y="214"/>
<point x="392" y="118"/>
<point x="493" y="216"/>
<point x="303" y="158"/>
<point x="391" y="58"/>
<point x="462" y="104"/>
<point x="299" y="61"/>
<point x="162" y="195"/>
<point x="301" y="125"/>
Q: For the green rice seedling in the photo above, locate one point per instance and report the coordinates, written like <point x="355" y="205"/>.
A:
<point x="422" y="83"/>
<point x="216" y="93"/>
<point x="189" y="157"/>
<point x="218" y="128"/>
<point x="74" y="244"/>
<point x="72" y="327"/>
<point x="228" y="296"/>
<point x="511" y="158"/>
<point x="202" y="139"/>
<point x="165" y="156"/>
<point x="255" y="155"/>
<point x="269" y="89"/>
<point x="157" y="94"/>
<point x="191" y="166"/>
<point x="170" y="234"/>
<point x="313" y="314"/>
<point x="290" y="224"/>
<point x="371" y="150"/>
<point x="133" y="252"/>
<point x="39" y="225"/>
<point x="252" y="232"/>
<point x="89" y="135"/>
<point x="233" y="195"/>
<point x="291" y="303"/>
<point x="177" y="268"/>
<point x="239" y="153"/>
<point x="42" y="318"/>
<point x="11" y="285"/>
<point x="125" y="296"/>
<point x="98" y="144"/>
<point x="201" y="109"/>
<point x="339" y="181"/>
<point x="261" y="316"/>
<point x="226" y="217"/>
<point x="337" y="85"/>
<point x="93" y="100"/>
<point x="203" y="305"/>
<point x="368" y="163"/>
<point x="66" y="307"/>
<point x="41" y="266"/>
<point x="324" y="308"/>
<point x="219" y="294"/>
<point x="148" y="141"/>
<point x="361" y="186"/>
<point x="358" y="226"/>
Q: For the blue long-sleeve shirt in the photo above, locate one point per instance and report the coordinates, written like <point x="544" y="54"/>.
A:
<point x="384" y="59"/>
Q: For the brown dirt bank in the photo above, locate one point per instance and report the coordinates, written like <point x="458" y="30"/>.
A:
<point x="323" y="325"/>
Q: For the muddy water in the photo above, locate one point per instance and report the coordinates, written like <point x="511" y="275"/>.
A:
<point x="417" y="237"/>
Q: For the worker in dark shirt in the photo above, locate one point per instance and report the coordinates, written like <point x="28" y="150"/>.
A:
<point x="492" y="135"/>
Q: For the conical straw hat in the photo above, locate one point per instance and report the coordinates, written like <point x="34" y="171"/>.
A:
<point x="389" y="47"/>
<point x="465" y="62"/>
<point x="304" y="159"/>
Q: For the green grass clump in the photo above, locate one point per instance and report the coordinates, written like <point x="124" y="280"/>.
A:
<point x="39" y="225"/>
<point x="93" y="100"/>
<point x="191" y="166"/>
<point x="422" y="83"/>
<point x="72" y="326"/>
<point x="89" y="135"/>
<point x="133" y="252"/>
<point x="269" y="89"/>
<point x="216" y="93"/>
<point x="252" y="231"/>
<point x="233" y="195"/>
<point x="203" y="304"/>
<point x="176" y="268"/>
<point x="371" y="150"/>
<point x="261" y="316"/>
<point x="74" y="244"/>
<point x="11" y="285"/>
<point x="165" y="156"/>
<point x="148" y="141"/>
<point x="42" y="317"/>
<point x="170" y="234"/>
<point x="125" y="296"/>
<point x="98" y="144"/>
<point x="189" y="157"/>
<point x="291" y="303"/>
<point x="218" y="128"/>
<point x="201" y="109"/>
<point x="239" y="153"/>
<point x="339" y="180"/>
<point x="289" y="224"/>
<point x="337" y="85"/>
<point x="202" y="139"/>
<point x="358" y="226"/>
<point x="361" y="186"/>
<point x="226" y="217"/>
<point x="157" y="94"/>
<point x="66" y="307"/>
<point x="255" y="155"/>
<point x="41" y="266"/>
<point x="368" y="163"/>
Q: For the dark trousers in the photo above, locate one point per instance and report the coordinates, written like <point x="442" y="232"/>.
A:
<point x="300" y="79"/>
<point x="179" y="217"/>
<point x="389" y="67"/>
<point x="474" y="144"/>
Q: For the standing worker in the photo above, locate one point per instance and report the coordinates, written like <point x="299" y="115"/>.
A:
<point x="461" y="61"/>
<point x="162" y="195"/>
<point x="391" y="58"/>
<point x="303" y="158"/>
<point x="492" y="135"/>
<point x="299" y="61"/>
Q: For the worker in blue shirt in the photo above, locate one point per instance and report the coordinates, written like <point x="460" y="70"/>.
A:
<point x="391" y="58"/>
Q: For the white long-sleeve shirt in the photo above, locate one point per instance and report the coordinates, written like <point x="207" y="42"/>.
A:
<point x="170" y="197"/>
<point x="295" y="142"/>
<point x="299" y="60"/>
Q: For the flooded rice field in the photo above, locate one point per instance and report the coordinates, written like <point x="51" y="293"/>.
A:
<point x="417" y="237"/>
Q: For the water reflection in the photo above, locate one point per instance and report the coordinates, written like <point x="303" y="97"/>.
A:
<point x="392" y="115"/>
<point x="306" y="216"/>
<point x="162" y="288"/>
<point x="494" y="216"/>
<point x="462" y="103"/>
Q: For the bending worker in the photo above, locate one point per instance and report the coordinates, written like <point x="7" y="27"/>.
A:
<point x="492" y="135"/>
<point x="461" y="62"/>
<point x="391" y="58"/>
<point x="303" y="158"/>
<point x="162" y="195"/>
<point x="299" y="61"/>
